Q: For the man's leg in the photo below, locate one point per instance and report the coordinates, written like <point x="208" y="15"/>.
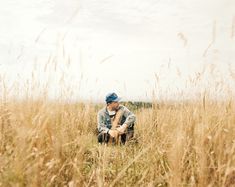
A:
<point x="127" y="136"/>
<point x="123" y="138"/>
<point x="103" y="137"/>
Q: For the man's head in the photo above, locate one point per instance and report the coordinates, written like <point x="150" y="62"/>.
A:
<point x="112" y="101"/>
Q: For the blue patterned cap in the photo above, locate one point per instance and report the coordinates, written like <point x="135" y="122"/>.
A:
<point x="112" y="97"/>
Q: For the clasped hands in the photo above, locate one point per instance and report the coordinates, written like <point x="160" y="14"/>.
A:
<point x="119" y="130"/>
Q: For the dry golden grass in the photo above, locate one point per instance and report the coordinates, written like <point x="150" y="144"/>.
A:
<point x="179" y="144"/>
<point x="53" y="143"/>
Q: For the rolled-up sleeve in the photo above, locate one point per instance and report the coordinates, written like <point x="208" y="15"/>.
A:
<point x="101" y="123"/>
<point x="130" y="117"/>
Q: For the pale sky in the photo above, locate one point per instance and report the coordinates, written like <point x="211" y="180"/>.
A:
<point x="122" y="46"/>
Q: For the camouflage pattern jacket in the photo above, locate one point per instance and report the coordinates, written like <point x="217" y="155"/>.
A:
<point x="105" y="121"/>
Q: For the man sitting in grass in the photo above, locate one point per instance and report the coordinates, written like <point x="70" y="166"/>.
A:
<point x="115" y="120"/>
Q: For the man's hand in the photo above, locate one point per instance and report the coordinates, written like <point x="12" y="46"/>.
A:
<point x="122" y="129"/>
<point x="113" y="133"/>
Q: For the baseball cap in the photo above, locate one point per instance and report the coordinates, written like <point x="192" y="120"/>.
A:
<point x="112" y="97"/>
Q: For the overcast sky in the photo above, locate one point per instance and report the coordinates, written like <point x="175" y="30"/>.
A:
<point x="95" y="47"/>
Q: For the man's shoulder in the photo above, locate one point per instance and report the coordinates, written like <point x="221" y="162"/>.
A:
<point x="102" y="111"/>
<point x="122" y="107"/>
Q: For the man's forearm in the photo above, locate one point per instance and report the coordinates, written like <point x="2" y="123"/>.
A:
<point x="130" y="119"/>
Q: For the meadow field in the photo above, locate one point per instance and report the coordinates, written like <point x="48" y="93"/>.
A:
<point x="173" y="62"/>
<point x="45" y="143"/>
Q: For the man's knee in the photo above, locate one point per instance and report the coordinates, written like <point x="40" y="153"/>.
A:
<point x="103" y="137"/>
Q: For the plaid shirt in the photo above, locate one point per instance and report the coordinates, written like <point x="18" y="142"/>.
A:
<point x="104" y="120"/>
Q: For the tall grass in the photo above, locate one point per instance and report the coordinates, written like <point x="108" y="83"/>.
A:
<point x="46" y="142"/>
<point x="179" y="144"/>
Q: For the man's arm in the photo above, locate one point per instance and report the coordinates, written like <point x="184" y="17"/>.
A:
<point x="130" y="117"/>
<point x="101" y="124"/>
<point x="117" y="119"/>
